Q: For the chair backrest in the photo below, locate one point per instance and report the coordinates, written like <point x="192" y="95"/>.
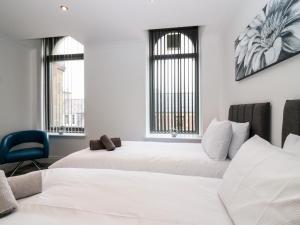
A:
<point x="22" y="137"/>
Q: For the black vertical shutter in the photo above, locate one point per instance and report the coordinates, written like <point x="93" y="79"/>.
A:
<point x="50" y="113"/>
<point x="174" y="80"/>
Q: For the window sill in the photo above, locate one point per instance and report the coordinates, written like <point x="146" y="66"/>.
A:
<point x="66" y="135"/>
<point x="178" y="138"/>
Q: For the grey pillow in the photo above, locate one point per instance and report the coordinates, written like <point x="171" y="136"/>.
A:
<point x="8" y="202"/>
<point x="26" y="185"/>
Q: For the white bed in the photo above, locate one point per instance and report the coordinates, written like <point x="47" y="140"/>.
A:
<point x="174" y="158"/>
<point x="112" y="197"/>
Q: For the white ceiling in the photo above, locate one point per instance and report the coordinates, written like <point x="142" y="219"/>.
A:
<point x="108" y="20"/>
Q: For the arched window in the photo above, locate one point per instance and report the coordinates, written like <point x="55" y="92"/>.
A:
<point x="174" y="81"/>
<point x="171" y="43"/>
<point x="68" y="46"/>
<point x="64" y="92"/>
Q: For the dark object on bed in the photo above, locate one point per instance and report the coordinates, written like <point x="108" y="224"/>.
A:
<point x="258" y="115"/>
<point x="98" y="145"/>
<point x="117" y="142"/>
<point x="291" y="119"/>
<point x="109" y="145"/>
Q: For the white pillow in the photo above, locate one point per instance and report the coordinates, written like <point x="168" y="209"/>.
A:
<point x="8" y="202"/>
<point x="240" y="133"/>
<point x="292" y="144"/>
<point x="262" y="185"/>
<point x="217" y="138"/>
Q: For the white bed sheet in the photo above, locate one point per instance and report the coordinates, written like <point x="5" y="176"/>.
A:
<point x="112" y="197"/>
<point x="174" y="158"/>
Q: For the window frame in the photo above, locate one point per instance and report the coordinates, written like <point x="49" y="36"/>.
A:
<point x="193" y="34"/>
<point x="48" y="46"/>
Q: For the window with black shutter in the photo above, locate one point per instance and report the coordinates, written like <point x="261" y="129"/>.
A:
<point x="174" y="81"/>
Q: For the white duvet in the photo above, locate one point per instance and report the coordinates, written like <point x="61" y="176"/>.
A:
<point x="174" y="158"/>
<point x="112" y="197"/>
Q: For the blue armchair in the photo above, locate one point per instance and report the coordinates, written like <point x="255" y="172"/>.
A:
<point x="8" y="155"/>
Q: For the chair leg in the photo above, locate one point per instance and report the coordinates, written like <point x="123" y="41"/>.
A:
<point x="36" y="164"/>
<point x="16" y="168"/>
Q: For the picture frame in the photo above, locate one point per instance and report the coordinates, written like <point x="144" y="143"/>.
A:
<point x="272" y="37"/>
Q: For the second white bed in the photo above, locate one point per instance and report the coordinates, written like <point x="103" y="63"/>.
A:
<point x="174" y="158"/>
<point x="111" y="197"/>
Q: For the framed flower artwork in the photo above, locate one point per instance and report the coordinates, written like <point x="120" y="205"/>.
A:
<point x="272" y="37"/>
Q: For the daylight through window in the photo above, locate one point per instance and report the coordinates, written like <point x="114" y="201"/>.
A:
<point x="174" y="81"/>
<point x="64" y="86"/>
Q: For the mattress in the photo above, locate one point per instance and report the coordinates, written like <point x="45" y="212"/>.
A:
<point x="112" y="197"/>
<point x="174" y="158"/>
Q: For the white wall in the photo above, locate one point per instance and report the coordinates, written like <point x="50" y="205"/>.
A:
<point x="19" y="72"/>
<point x="211" y="64"/>
<point x="114" y="95"/>
<point x="275" y="84"/>
<point x="16" y="85"/>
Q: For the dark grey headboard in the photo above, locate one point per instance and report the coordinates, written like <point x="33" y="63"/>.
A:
<point x="291" y="119"/>
<point x="258" y="115"/>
